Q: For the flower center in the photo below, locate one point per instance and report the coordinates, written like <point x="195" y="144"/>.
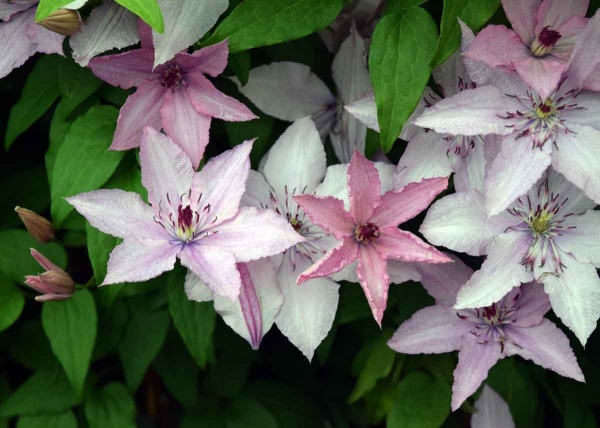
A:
<point x="545" y="109"/>
<point x="367" y="233"/>
<point x="544" y="42"/>
<point x="171" y="77"/>
<point x="460" y="145"/>
<point x="185" y="217"/>
<point x="539" y="223"/>
<point x="491" y="315"/>
<point x="295" y="222"/>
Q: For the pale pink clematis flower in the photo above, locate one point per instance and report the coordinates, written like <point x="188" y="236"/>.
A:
<point x="514" y="325"/>
<point x="193" y="216"/>
<point x="539" y="45"/>
<point x="550" y="235"/>
<point x="369" y="232"/>
<point x="175" y="96"/>
<point x="491" y="411"/>
<point x="561" y="130"/>
<point x="55" y="284"/>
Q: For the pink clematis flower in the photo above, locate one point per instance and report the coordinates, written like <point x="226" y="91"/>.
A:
<point x="561" y="130"/>
<point x="550" y="235"/>
<point x="491" y="411"/>
<point x="369" y="232"/>
<point x="515" y="325"/>
<point x="175" y="96"/>
<point x="539" y="45"/>
<point x="55" y="284"/>
<point x="21" y="37"/>
<point x="193" y="216"/>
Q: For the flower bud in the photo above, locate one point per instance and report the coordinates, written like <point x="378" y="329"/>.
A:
<point x="54" y="284"/>
<point x="37" y="226"/>
<point x="63" y="21"/>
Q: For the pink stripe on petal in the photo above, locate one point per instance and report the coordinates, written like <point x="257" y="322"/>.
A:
<point x="333" y="261"/>
<point x="250" y="306"/>
<point x="364" y="188"/>
<point x="327" y="212"/>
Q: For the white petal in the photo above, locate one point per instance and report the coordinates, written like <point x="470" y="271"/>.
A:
<point x="491" y="411"/>
<point x="258" y="191"/>
<point x="588" y="113"/>
<point x="347" y="135"/>
<point x="108" y="27"/>
<point x="469" y="172"/>
<point x="365" y="110"/>
<point x="582" y="237"/>
<point x="196" y="289"/>
<point x="400" y="272"/>
<point x="15" y="46"/>
<point x="186" y="21"/>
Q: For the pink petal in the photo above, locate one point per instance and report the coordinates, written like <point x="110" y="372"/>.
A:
<point x="118" y="213"/>
<point x="15" y="46"/>
<point x="543" y="75"/>
<point x="166" y="171"/>
<point x="8" y="9"/>
<point x="554" y="13"/>
<point x="253" y="234"/>
<point x="533" y="305"/>
<point x="250" y="306"/>
<point x="364" y="188"/>
<point x="46" y="41"/>
<point x="210" y="60"/>
<point x="43" y="261"/>
<point x="222" y="181"/>
<point x="333" y="261"/>
<point x="491" y="411"/>
<point x="398" y="206"/>
<point x="474" y="362"/>
<point x="138" y="260"/>
<point x="52" y="298"/>
<point x="401" y="245"/>
<point x="128" y="69"/>
<point x="141" y="109"/>
<point x="188" y="128"/>
<point x="586" y="53"/>
<point x="432" y="330"/>
<point x="145" y="33"/>
<point x="547" y="346"/>
<point x="521" y="14"/>
<point x="374" y="280"/>
<point x="496" y="46"/>
<point x="209" y="101"/>
<point x="569" y="33"/>
<point x="327" y="212"/>
<point x="216" y="267"/>
<point x="443" y="281"/>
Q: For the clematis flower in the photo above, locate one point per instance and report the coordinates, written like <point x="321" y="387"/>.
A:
<point x="429" y="154"/>
<point x="290" y="91"/>
<point x="369" y="231"/>
<point x="175" y="96"/>
<point x="55" y="284"/>
<point x="252" y="315"/>
<point x="539" y="45"/>
<point x="491" y="411"/>
<point x="295" y="164"/>
<point x="514" y="325"/>
<point x="550" y="235"/>
<point x="193" y="216"/>
<point x="21" y="37"/>
<point x="561" y="129"/>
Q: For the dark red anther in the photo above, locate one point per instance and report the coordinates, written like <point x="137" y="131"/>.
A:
<point x="548" y="37"/>
<point x="186" y="215"/>
<point x="367" y="233"/>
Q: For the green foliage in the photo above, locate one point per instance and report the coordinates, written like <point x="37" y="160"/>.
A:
<point x="31" y="347"/>
<point x="257" y="23"/>
<point x="71" y="327"/>
<point x="110" y="407"/>
<point x="11" y="302"/>
<point x="59" y="420"/>
<point x="76" y="85"/>
<point x="402" y="47"/>
<point x="474" y="13"/>
<point x="246" y="412"/>
<point x="46" y="7"/>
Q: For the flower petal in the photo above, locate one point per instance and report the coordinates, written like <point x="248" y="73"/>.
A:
<point x="128" y="69"/>
<point x="586" y="53"/>
<point x="253" y="234"/>
<point x="374" y="279"/>
<point x="582" y="237"/>
<point x="443" y="280"/>
<point x="15" y="46"/>
<point x="8" y="9"/>
<point x="491" y="411"/>
<point x="522" y="17"/>
<point x="401" y="245"/>
<point x="400" y="272"/>
<point x="543" y="75"/>
<point x="496" y="46"/>
<point x="138" y="260"/>
<point x="333" y="261"/>
<point x="188" y="128"/>
<point x="196" y="289"/>
<point x="554" y="13"/>
<point x="500" y="273"/>
<point x="364" y="188"/>
<point x="328" y="213"/>
<point x="210" y="60"/>
<point x="547" y="346"/>
<point x="533" y="305"/>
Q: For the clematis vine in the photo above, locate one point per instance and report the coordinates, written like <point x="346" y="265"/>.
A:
<point x="369" y="231"/>
<point x="295" y="164"/>
<point x="21" y="37"/>
<point x="175" y="96"/>
<point x="514" y="325"/>
<point x="193" y="216"/>
<point x="540" y="44"/>
<point x="491" y="411"/>
<point x="549" y="235"/>
<point x="536" y="131"/>
<point x="290" y="91"/>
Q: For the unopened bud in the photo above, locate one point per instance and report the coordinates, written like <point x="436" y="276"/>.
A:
<point x="39" y="227"/>
<point x="54" y="284"/>
<point x="63" y="21"/>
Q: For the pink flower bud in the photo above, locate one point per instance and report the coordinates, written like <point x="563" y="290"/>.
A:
<point x="54" y="284"/>
<point x="37" y="226"/>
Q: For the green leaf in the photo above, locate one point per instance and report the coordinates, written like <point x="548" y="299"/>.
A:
<point x="178" y="370"/>
<point x="257" y="23"/>
<point x="401" y="50"/>
<point x="240" y="64"/>
<point x="399" y="6"/>
<point x="112" y="321"/>
<point x="61" y="420"/>
<point x="261" y="129"/>
<point x="475" y="13"/>
<point x="4" y="393"/>
<point x="71" y="327"/>
<point x="99" y="246"/>
<point x="11" y="302"/>
<point x="246" y="412"/>
<point x="15" y="256"/>
<point x="76" y="84"/>
<point x="195" y="321"/>
<point x="111" y="407"/>
<point x="26" y="187"/>
<point x="83" y="163"/>
<point x="46" y="391"/>
<point x="39" y="93"/>
<point x="32" y="349"/>
<point x="143" y="338"/>
<point x="148" y="10"/>
<point x="371" y="364"/>
<point x="46" y="7"/>
<point x="421" y="402"/>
